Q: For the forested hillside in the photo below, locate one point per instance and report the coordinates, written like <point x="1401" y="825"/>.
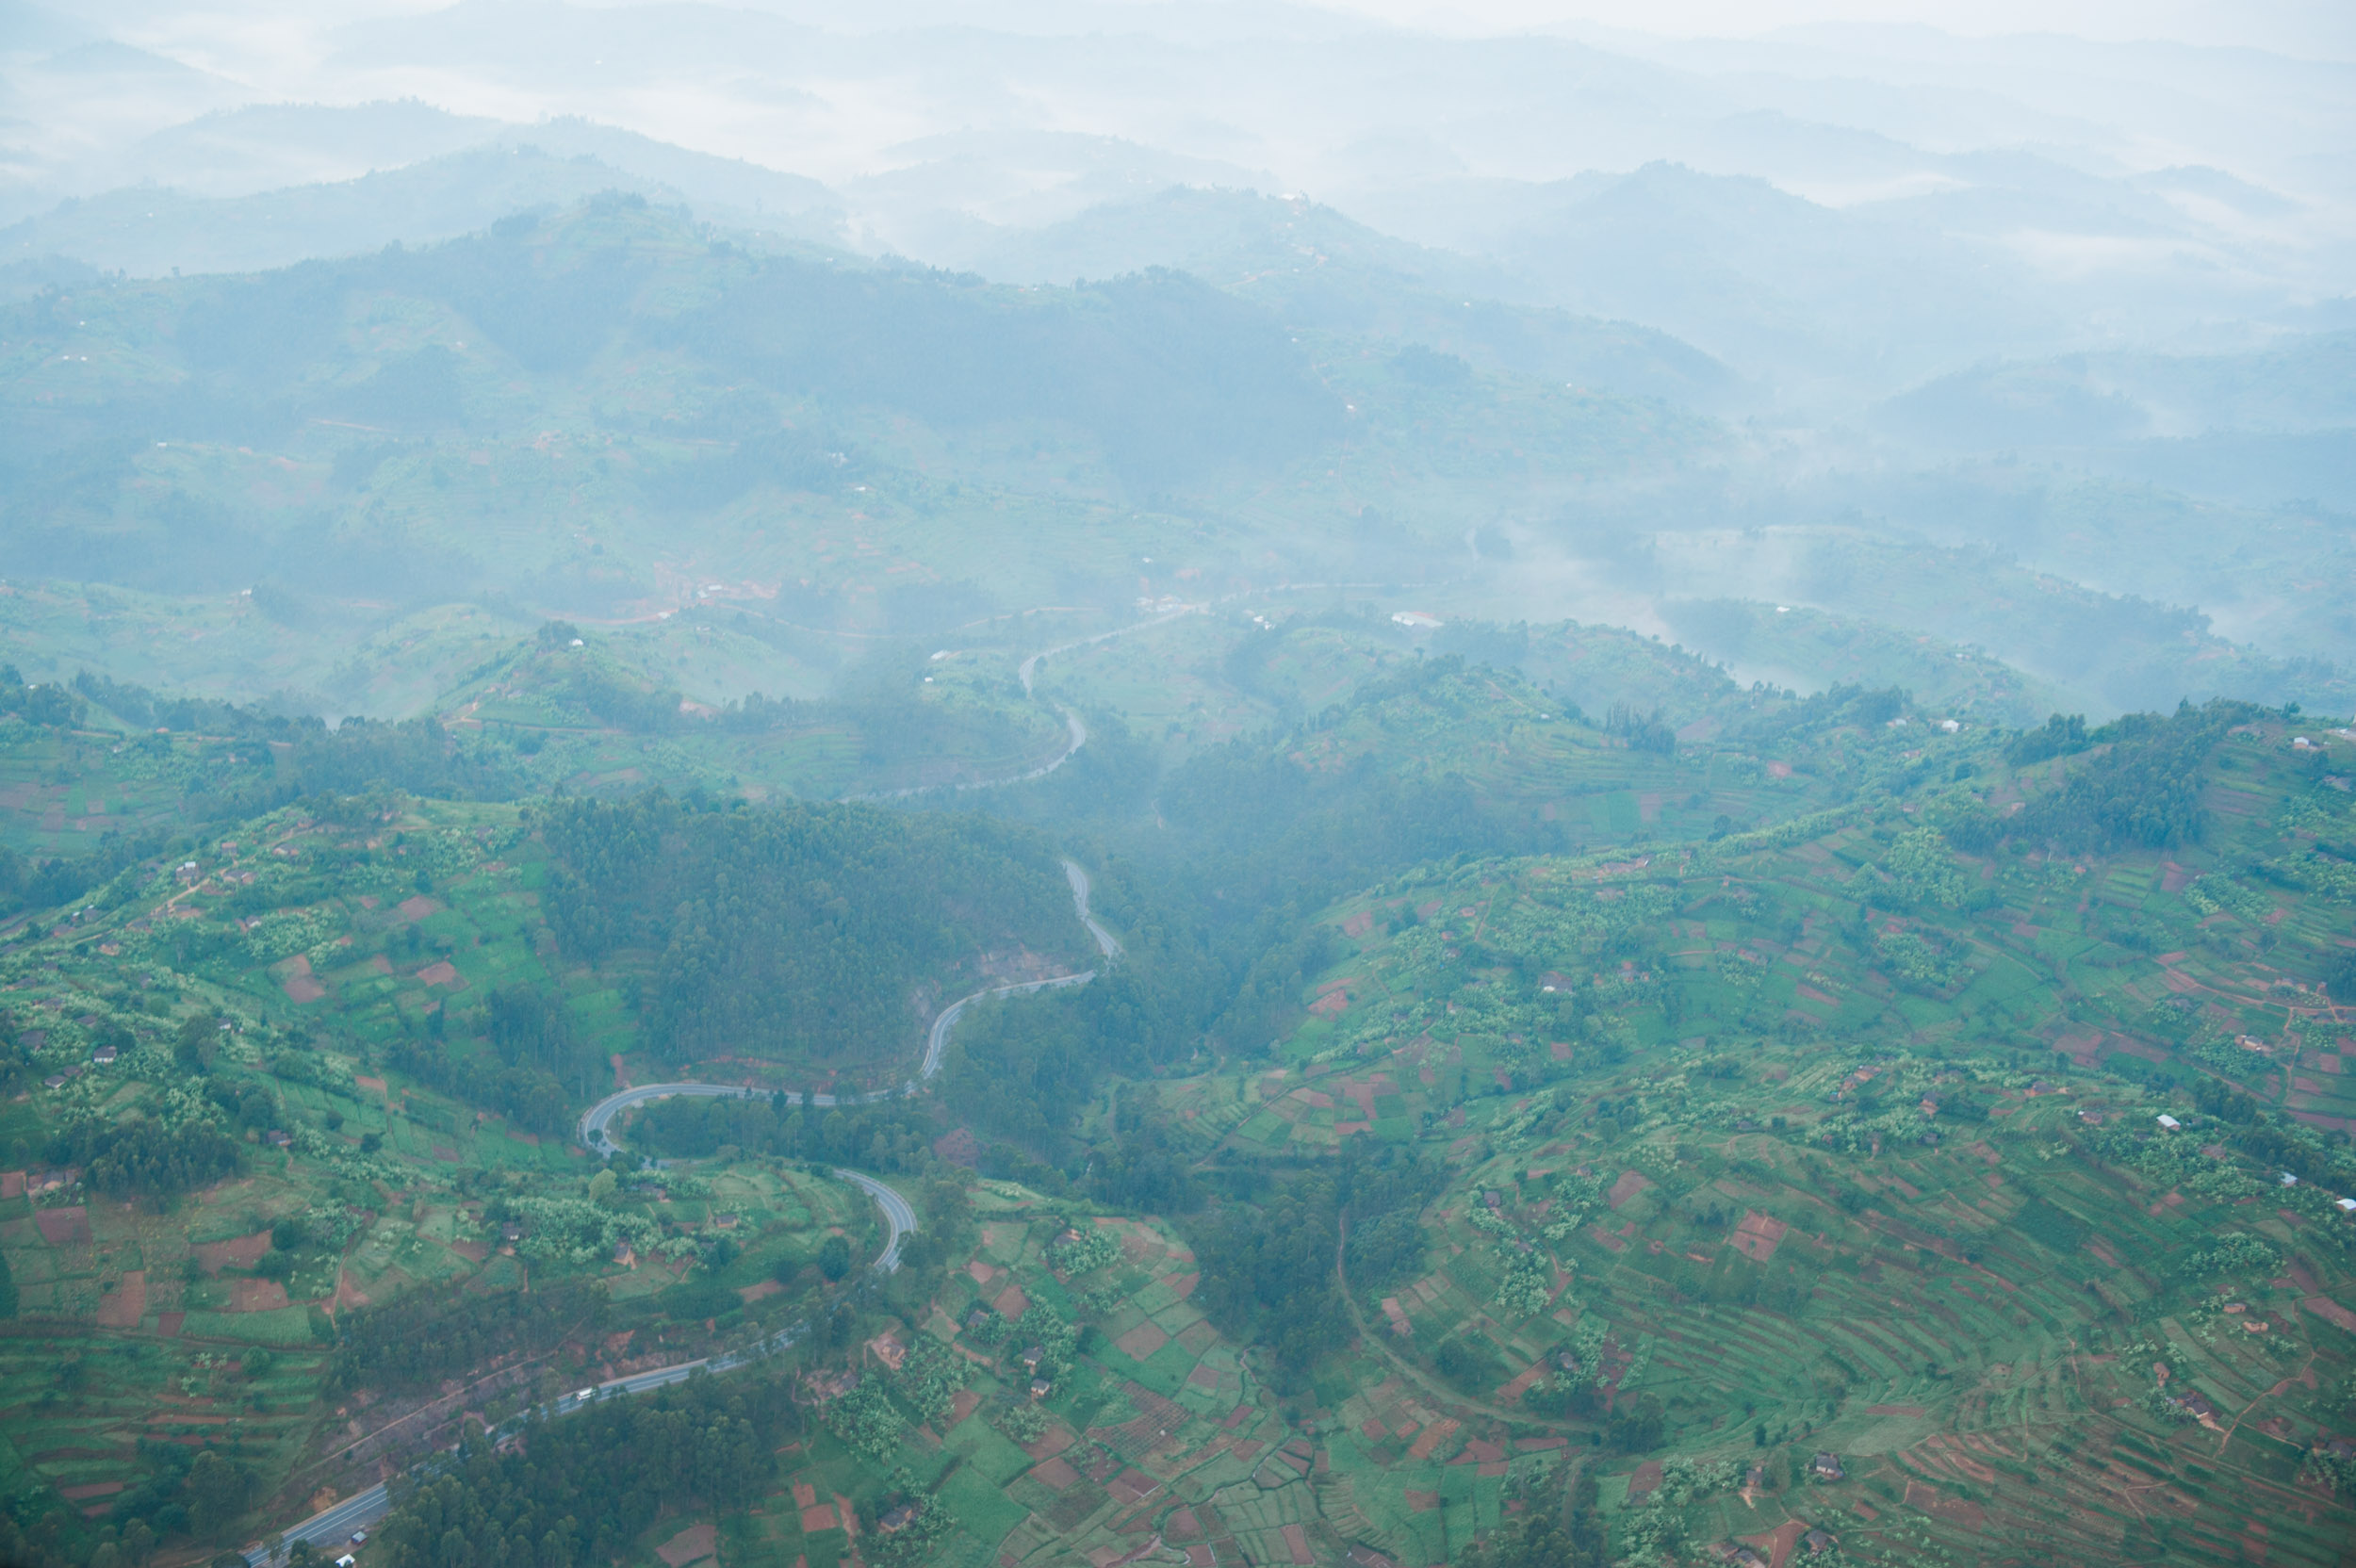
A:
<point x="797" y="932"/>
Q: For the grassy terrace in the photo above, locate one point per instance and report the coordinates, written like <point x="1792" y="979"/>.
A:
<point x="1809" y="1202"/>
<point x="1820" y="1136"/>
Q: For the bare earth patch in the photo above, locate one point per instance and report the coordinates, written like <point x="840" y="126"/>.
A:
<point x="124" y="1306"/>
<point x="2330" y="1312"/>
<point x="691" y="1544"/>
<point x="1141" y="1341"/>
<point x="1936" y="1503"/>
<point x="1628" y="1186"/>
<point x="64" y="1227"/>
<point x="296" y="980"/>
<point x="244" y="1252"/>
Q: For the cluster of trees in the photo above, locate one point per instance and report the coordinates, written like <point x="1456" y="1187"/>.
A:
<point x="1564" y="1528"/>
<point x="2143" y="790"/>
<point x="185" y="1494"/>
<point x="50" y="881"/>
<point x="797" y="931"/>
<point x="1641" y="731"/>
<point x="587" y="683"/>
<point x="417" y="1340"/>
<point x="538" y="1063"/>
<point x="581" y="1489"/>
<point x="50" y="706"/>
<point x="890" y="1135"/>
<point x="528" y="1095"/>
<point x="1835" y="707"/>
<point x="2064" y="735"/>
<point x="143" y="709"/>
<point x="1268" y="1256"/>
<point x="1313" y="833"/>
<point x="141" y="1154"/>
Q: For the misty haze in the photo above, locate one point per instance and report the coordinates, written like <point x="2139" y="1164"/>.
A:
<point x="1059" y="782"/>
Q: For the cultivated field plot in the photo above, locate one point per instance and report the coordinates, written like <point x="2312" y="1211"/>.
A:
<point x="1756" y="1140"/>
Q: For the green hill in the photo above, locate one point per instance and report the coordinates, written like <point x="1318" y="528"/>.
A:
<point x="1843" y="1137"/>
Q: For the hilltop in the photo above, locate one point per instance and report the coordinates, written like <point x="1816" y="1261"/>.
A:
<point x="1683" y="1088"/>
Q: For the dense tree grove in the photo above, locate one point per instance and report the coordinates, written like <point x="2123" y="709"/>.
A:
<point x="1313" y="833"/>
<point x="524" y="1093"/>
<point x="1268" y="1263"/>
<point x="144" y="1155"/>
<point x="416" y="1340"/>
<point x="577" y="1491"/>
<point x="798" y="930"/>
<point x="1564" y="1528"/>
<point x="888" y="1136"/>
<point x="2142" y="789"/>
<point x="37" y="705"/>
<point x="539" y="1063"/>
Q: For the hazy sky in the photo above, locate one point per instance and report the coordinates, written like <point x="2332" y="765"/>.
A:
<point x="2306" y="27"/>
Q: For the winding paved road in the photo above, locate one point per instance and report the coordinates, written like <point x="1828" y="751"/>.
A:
<point x="596" y="1123"/>
<point x="331" y="1527"/>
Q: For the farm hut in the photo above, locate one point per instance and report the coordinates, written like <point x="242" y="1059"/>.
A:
<point x="896" y="1519"/>
<point x="1826" y="1468"/>
<point x="2192" y="1405"/>
<point x="2167" y="1123"/>
<point x="1041" y="1388"/>
<point x="1031" y="1357"/>
<point x="1816" y="1540"/>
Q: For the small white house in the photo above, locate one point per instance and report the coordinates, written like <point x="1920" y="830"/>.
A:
<point x="2289" y="1180"/>
<point x="2345" y="1205"/>
<point x="2169" y="1123"/>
